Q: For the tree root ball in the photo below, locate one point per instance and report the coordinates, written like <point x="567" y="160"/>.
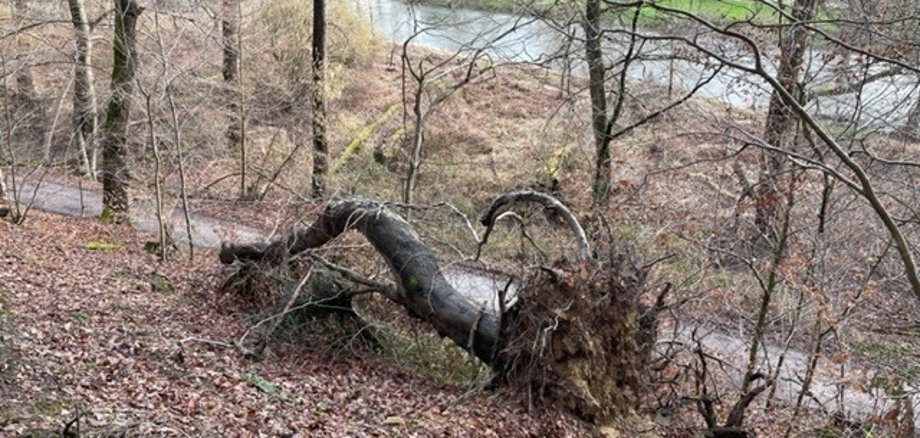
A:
<point x="576" y="339"/>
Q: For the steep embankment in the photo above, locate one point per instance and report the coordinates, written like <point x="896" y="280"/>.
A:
<point x="94" y="331"/>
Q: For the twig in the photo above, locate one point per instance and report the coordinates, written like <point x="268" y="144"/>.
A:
<point x="351" y="275"/>
<point x="183" y="341"/>
<point x="67" y="433"/>
<point x="277" y="317"/>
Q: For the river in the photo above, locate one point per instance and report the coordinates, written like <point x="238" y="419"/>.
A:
<point x="884" y="104"/>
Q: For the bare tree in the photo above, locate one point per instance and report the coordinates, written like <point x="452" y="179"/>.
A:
<point x="780" y="125"/>
<point x="320" y="148"/>
<point x="230" y="40"/>
<point x="124" y="63"/>
<point x="25" y="83"/>
<point x="597" y="78"/>
<point x="84" y="93"/>
<point x="436" y="79"/>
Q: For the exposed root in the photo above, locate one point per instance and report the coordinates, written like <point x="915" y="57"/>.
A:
<point x="576" y="339"/>
<point x="574" y="335"/>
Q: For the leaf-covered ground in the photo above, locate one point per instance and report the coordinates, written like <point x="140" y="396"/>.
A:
<point x="93" y="327"/>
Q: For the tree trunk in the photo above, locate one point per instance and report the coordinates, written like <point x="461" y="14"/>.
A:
<point x="596" y="85"/>
<point x="2" y="187"/>
<point x="418" y="140"/>
<point x="912" y="126"/>
<point x="320" y="148"/>
<point x="572" y="335"/>
<point x="84" y="92"/>
<point x="25" y="84"/>
<point x="230" y="28"/>
<point x="421" y="286"/>
<point x="124" y="62"/>
<point x="779" y="130"/>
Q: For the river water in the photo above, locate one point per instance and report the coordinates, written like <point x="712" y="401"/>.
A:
<point x="884" y="104"/>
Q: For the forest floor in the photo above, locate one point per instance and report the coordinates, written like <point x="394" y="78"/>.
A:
<point x="96" y="334"/>
<point x="125" y="269"/>
<point x="94" y="327"/>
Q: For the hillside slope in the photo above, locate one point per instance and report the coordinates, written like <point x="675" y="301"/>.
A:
<point x="93" y="327"/>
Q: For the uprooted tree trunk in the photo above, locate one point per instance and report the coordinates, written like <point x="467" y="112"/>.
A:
<point x="571" y="335"/>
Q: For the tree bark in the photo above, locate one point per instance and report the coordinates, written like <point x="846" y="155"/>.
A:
<point x="124" y="63"/>
<point x="320" y="148"/>
<point x="230" y="28"/>
<point x="422" y="288"/>
<point x="418" y="140"/>
<point x="2" y="187"/>
<point x="779" y="130"/>
<point x="596" y="86"/>
<point x="25" y="84"/>
<point x="84" y="92"/>
<point x="229" y="31"/>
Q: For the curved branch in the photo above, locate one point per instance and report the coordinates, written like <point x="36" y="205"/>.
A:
<point x="504" y="203"/>
<point x="422" y="288"/>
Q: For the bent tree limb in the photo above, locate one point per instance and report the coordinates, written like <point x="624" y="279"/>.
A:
<point x="553" y="207"/>
<point x="421" y="288"/>
<point x="572" y="337"/>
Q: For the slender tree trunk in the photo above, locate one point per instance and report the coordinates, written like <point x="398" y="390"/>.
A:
<point x="596" y="72"/>
<point x="124" y="62"/>
<point x="418" y="140"/>
<point x="320" y="148"/>
<point x="780" y="125"/>
<point x="183" y="187"/>
<point x="25" y="84"/>
<point x="157" y="182"/>
<point x="230" y="29"/>
<point x="2" y="187"/>
<point x="84" y="93"/>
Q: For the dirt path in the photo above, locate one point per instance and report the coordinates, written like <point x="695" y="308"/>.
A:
<point x="208" y="232"/>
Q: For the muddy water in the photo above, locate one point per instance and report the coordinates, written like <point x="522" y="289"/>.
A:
<point x="482" y="288"/>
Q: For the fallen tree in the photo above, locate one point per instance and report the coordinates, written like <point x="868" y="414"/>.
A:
<point x="572" y="334"/>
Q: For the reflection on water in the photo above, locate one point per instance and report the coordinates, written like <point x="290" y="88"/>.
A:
<point x="885" y="103"/>
<point x="526" y="39"/>
<point x="533" y="41"/>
